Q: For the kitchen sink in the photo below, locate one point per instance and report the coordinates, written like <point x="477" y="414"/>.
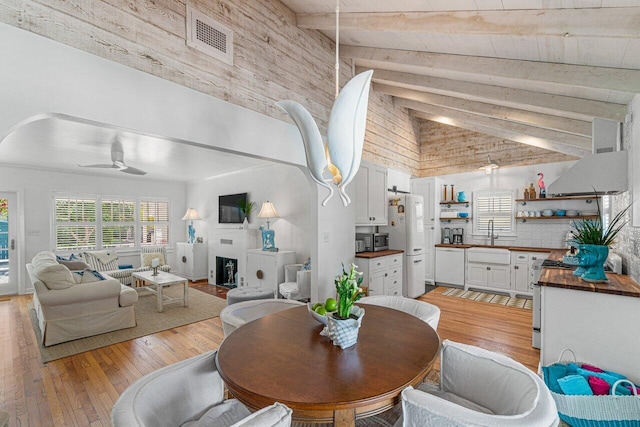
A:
<point x="489" y="255"/>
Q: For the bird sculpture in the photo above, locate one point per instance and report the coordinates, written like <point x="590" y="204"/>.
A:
<point x="543" y="189"/>
<point x="342" y="154"/>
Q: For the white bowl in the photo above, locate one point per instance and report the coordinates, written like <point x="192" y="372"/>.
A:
<point x="319" y="317"/>
<point x="547" y="212"/>
<point x="572" y="213"/>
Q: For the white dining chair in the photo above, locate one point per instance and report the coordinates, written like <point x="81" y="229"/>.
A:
<point x="479" y="388"/>
<point x="238" y="314"/>
<point x="424" y="311"/>
<point x="189" y="393"/>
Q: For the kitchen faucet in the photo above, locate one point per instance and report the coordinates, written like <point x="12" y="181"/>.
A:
<point x="490" y="234"/>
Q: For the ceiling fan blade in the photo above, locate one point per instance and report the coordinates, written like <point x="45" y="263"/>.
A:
<point x="134" y="171"/>
<point x="104" y="166"/>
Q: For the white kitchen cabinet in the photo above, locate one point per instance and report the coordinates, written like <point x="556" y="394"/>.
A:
<point x="429" y="189"/>
<point x="450" y="263"/>
<point x="371" y="195"/>
<point x="265" y="269"/>
<point x="191" y="260"/>
<point x="521" y="263"/>
<point x="382" y="275"/>
<point x="488" y="275"/>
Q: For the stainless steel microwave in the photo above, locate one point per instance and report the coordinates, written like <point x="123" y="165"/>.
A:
<point x="374" y="242"/>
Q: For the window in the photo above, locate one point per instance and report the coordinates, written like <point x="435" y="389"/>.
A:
<point x="94" y="222"/>
<point x="497" y="206"/>
<point x="154" y="223"/>
<point x="75" y="223"/>
<point x="118" y="223"/>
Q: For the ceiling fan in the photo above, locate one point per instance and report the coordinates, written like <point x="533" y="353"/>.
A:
<point x="117" y="159"/>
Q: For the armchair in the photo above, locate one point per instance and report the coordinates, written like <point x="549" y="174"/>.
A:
<point x="189" y="393"/>
<point x="106" y="261"/>
<point x="480" y="388"/>
<point x="148" y="253"/>
<point x="297" y="283"/>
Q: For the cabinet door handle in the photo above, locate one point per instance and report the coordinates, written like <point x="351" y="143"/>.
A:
<point x="417" y="261"/>
<point x="515" y="267"/>
<point x="488" y="268"/>
<point x="534" y="258"/>
<point x="184" y="258"/>
<point x="259" y="274"/>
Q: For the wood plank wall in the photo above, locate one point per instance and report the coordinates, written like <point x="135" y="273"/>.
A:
<point x="274" y="59"/>
<point x="447" y="149"/>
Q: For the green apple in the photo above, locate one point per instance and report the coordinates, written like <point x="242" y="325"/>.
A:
<point x="321" y="310"/>
<point x="316" y="305"/>
<point x="331" y="304"/>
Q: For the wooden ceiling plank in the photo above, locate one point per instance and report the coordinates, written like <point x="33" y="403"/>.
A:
<point x="596" y="22"/>
<point x="562" y="124"/>
<point x="550" y="140"/>
<point x="575" y="108"/>
<point x="610" y="79"/>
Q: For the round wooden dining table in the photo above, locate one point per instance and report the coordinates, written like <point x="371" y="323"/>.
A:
<point x="283" y="358"/>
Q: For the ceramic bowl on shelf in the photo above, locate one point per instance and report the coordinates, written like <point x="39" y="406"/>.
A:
<point x="547" y="212"/>
<point x="463" y="214"/>
<point x="572" y="213"/>
<point x="561" y="212"/>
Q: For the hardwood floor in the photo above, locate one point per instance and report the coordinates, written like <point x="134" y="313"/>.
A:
<point x="80" y="390"/>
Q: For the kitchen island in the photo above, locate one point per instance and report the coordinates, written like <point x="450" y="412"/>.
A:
<point x="598" y="321"/>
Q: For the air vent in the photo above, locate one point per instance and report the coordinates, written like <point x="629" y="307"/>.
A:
<point x="209" y="36"/>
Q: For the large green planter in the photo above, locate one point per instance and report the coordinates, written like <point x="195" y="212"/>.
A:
<point x="591" y="262"/>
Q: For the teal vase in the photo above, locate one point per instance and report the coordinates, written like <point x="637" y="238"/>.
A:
<point x="592" y="260"/>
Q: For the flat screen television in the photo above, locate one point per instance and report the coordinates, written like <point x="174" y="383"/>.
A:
<point x="229" y="208"/>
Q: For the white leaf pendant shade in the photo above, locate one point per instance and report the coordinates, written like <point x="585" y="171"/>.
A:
<point x="347" y="123"/>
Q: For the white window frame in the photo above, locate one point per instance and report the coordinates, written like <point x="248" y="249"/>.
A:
<point x="480" y="218"/>
<point x="56" y="224"/>
<point x="138" y="223"/>
<point x="132" y="223"/>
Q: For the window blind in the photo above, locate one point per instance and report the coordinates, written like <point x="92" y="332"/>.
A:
<point x="496" y="206"/>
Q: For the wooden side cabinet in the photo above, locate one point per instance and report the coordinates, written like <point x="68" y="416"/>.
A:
<point x="191" y="260"/>
<point x="266" y="269"/>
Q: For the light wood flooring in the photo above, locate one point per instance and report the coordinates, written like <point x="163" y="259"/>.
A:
<point x="80" y="390"/>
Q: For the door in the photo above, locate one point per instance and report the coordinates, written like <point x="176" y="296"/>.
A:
<point x="500" y="277"/>
<point x="8" y="244"/>
<point x="429" y="254"/>
<point x="361" y="182"/>
<point x="378" y="209"/>
<point x="415" y="224"/>
<point x="415" y="276"/>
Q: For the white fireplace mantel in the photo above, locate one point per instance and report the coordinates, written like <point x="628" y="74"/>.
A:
<point x="231" y="243"/>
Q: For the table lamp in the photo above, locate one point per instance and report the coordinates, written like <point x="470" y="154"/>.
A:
<point x="268" y="236"/>
<point x="191" y="215"/>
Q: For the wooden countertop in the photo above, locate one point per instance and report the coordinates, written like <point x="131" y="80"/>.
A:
<point x="378" y="254"/>
<point x="511" y="248"/>
<point x="618" y="284"/>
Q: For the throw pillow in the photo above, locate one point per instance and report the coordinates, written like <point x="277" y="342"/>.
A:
<point x="74" y="265"/>
<point x="90" y="276"/>
<point x="56" y="277"/>
<point x="307" y="264"/>
<point x="225" y="414"/>
<point x="147" y="258"/>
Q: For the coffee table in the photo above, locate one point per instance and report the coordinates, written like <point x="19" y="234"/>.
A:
<point x="160" y="281"/>
<point x="281" y="357"/>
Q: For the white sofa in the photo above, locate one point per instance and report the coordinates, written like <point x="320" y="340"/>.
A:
<point x="71" y="306"/>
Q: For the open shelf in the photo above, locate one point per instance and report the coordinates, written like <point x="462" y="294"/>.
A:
<point x="449" y="204"/>
<point x="455" y="219"/>
<point x="555" y="217"/>
<point x="588" y="199"/>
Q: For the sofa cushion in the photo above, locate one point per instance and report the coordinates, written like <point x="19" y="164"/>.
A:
<point x="42" y="260"/>
<point x="74" y="265"/>
<point x="148" y="258"/>
<point x="56" y="277"/>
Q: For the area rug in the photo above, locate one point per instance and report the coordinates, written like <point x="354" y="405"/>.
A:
<point x="506" y="300"/>
<point x="149" y="321"/>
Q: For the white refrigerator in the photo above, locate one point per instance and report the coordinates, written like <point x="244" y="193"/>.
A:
<point x="406" y="233"/>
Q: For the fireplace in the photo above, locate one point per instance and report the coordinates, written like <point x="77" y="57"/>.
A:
<point x="226" y="272"/>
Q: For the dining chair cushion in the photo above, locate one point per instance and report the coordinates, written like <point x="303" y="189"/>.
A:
<point x="423" y="310"/>
<point x="238" y="314"/>
<point x="276" y="415"/>
<point x="435" y="390"/>
<point x="225" y="414"/>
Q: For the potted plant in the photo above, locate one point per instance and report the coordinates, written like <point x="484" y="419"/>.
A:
<point x="593" y="243"/>
<point x="344" y="323"/>
<point x="246" y="208"/>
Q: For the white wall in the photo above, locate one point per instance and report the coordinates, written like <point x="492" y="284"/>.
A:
<point x="283" y="185"/>
<point x="546" y="234"/>
<point x="37" y="187"/>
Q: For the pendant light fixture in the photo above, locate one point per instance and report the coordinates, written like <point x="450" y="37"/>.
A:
<point x="488" y="168"/>
<point x="342" y="153"/>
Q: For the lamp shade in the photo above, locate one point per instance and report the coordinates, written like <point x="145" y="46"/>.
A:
<point x="191" y="215"/>
<point x="268" y="211"/>
<point x="488" y="168"/>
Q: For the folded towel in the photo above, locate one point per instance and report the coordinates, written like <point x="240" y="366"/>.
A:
<point x="551" y="375"/>
<point x="591" y="368"/>
<point x="572" y="368"/>
<point x="628" y="387"/>
<point x="574" y="385"/>
<point x="610" y="379"/>
<point x="616" y="375"/>
<point x="598" y="385"/>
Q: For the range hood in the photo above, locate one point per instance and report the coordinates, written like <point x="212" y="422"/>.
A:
<point x="605" y="170"/>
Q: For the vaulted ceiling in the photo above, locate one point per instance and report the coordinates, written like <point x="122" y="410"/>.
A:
<point x="531" y="71"/>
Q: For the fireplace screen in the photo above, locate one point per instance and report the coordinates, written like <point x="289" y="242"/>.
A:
<point x="226" y="272"/>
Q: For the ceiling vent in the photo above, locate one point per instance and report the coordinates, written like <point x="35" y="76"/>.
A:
<point x="209" y="36"/>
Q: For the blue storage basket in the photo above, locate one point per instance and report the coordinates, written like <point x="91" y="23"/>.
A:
<point x="601" y="411"/>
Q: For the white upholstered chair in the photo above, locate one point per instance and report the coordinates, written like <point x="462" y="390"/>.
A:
<point x="424" y="311"/>
<point x="238" y="314"/>
<point x="297" y="283"/>
<point x="187" y="392"/>
<point x="148" y="253"/>
<point x="479" y="388"/>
